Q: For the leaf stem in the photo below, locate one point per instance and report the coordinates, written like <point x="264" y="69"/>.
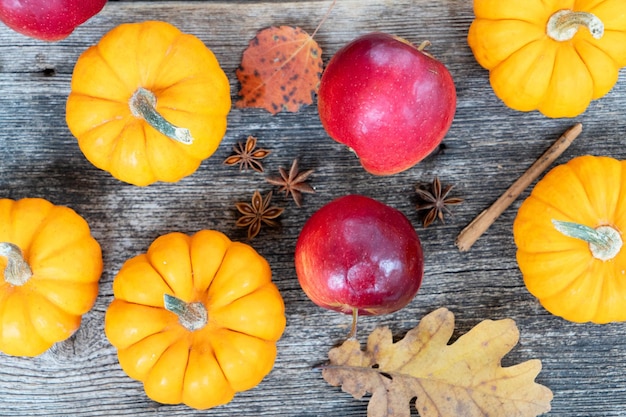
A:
<point x="143" y="106"/>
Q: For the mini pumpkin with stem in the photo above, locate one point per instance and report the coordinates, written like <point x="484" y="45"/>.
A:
<point x="569" y="235"/>
<point x="50" y="266"/>
<point x="552" y="56"/>
<point x="148" y="103"/>
<point x="196" y="318"/>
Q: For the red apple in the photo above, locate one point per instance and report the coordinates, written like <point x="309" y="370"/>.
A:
<point x="358" y="255"/>
<point x="48" y="20"/>
<point x="389" y="101"/>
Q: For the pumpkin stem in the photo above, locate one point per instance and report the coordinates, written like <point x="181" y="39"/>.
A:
<point x="563" y="25"/>
<point x="143" y="105"/>
<point x="192" y="316"/>
<point x="17" y="271"/>
<point x="604" y="241"/>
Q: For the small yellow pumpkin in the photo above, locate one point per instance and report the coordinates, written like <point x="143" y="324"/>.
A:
<point x="50" y="267"/>
<point x="148" y="103"/>
<point x="553" y="56"/>
<point x="196" y="318"/>
<point x="569" y="237"/>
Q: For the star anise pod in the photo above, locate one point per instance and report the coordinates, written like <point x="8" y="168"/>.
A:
<point x="436" y="201"/>
<point x="293" y="182"/>
<point x="248" y="155"/>
<point x="257" y="212"/>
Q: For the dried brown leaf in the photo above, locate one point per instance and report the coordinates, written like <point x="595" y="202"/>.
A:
<point x="461" y="379"/>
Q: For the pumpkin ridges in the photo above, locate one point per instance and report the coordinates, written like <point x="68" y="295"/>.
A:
<point x="51" y="322"/>
<point x="586" y="292"/>
<point x="558" y="199"/>
<point x="245" y="360"/>
<point x="138" y="358"/>
<point x="600" y="65"/>
<point x="541" y="270"/>
<point x="17" y="334"/>
<point x="25" y="218"/>
<point x="170" y="159"/>
<point x="535" y="11"/>
<point x="165" y="379"/>
<point x="70" y="296"/>
<point x="510" y="79"/>
<point x="138" y="282"/>
<point x="506" y="42"/>
<point x="205" y="385"/>
<point x="127" y="323"/>
<point x="606" y="9"/>
<point x="169" y="256"/>
<point x="259" y="322"/>
<point x="571" y="87"/>
<point x="242" y="271"/>
<point x="619" y="215"/>
<point x="597" y="176"/>
<point x="614" y="291"/>
<point x="208" y="249"/>
<point x="90" y="65"/>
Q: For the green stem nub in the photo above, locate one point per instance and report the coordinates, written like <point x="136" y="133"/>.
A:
<point x="17" y="271"/>
<point x="192" y="316"/>
<point x="143" y="105"/>
<point x="563" y="25"/>
<point x="604" y="241"/>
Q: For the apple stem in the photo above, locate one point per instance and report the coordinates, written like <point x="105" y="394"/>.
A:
<point x="355" y="319"/>
<point x="423" y="45"/>
<point x="143" y="106"/>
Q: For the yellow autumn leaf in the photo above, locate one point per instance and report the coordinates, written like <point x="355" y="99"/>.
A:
<point x="464" y="378"/>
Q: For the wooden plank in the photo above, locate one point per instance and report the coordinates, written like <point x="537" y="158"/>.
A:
<point x="487" y="148"/>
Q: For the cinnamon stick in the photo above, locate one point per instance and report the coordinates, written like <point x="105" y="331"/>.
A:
<point x="485" y="219"/>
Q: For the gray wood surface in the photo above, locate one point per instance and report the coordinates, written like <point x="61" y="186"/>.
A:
<point x="487" y="148"/>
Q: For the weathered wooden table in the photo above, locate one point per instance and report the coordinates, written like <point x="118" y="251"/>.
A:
<point x="488" y="147"/>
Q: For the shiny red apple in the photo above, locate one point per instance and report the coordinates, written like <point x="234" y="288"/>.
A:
<point x="389" y="101"/>
<point x="357" y="254"/>
<point x="48" y="20"/>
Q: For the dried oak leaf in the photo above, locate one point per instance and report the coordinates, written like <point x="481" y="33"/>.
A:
<point x="464" y="378"/>
<point x="280" y="70"/>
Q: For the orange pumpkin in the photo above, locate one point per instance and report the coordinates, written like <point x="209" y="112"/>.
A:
<point x="553" y="56"/>
<point x="148" y="103"/>
<point x="50" y="266"/>
<point x="569" y="235"/>
<point x="196" y="318"/>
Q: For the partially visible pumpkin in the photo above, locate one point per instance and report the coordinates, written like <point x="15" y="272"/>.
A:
<point x="50" y="266"/>
<point x="196" y="318"/>
<point x="569" y="235"/>
<point x="148" y="103"/>
<point x="553" y="56"/>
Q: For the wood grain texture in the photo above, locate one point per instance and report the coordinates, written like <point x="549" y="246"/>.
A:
<point x="486" y="150"/>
